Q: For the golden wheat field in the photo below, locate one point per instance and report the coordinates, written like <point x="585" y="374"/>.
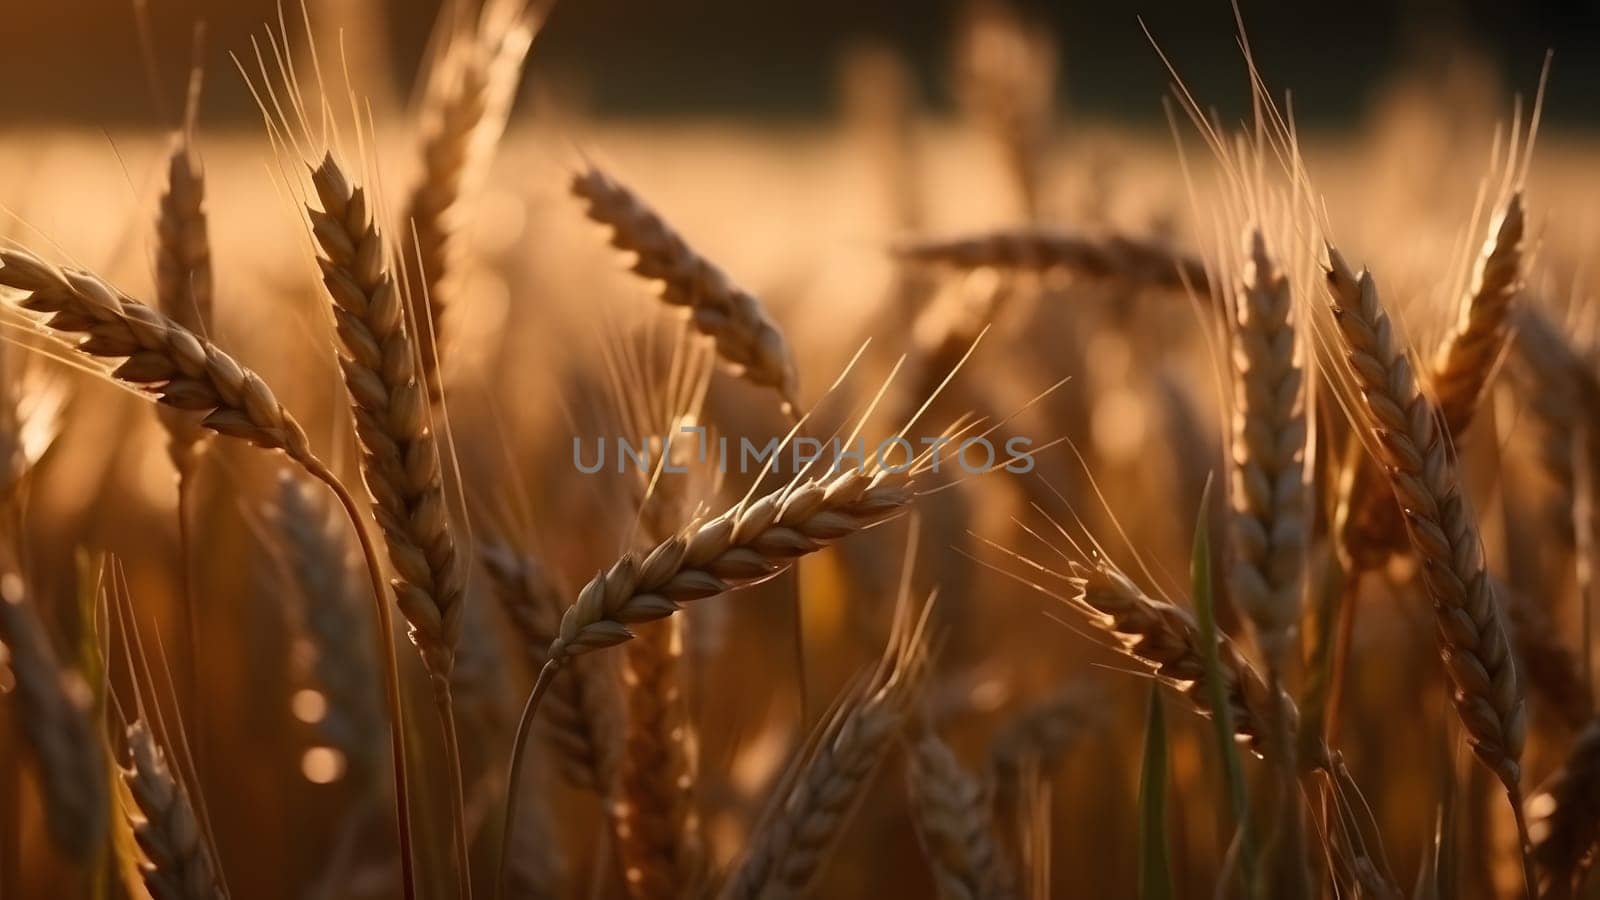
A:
<point x="477" y="489"/>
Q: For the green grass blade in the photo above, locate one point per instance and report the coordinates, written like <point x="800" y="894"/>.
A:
<point x="1155" y="870"/>
<point x="1221" y="712"/>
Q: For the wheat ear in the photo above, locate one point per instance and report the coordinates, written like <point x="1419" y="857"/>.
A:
<point x="1268" y="499"/>
<point x="1406" y="435"/>
<point x="953" y="822"/>
<point x="183" y="370"/>
<point x="1119" y="257"/>
<point x="316" y="555"/>
<point x="1564" y="819"/>
<point x="580" y="714"/>
<point x="178" y="863"/>
<point x="657" y="826"/>
<point x="1038" y="738"/>
<point x="1469" y="355"/>
<point x="399" y="458"/>
<point x="464" y="112"/>
<point x="749" y="543"/>
<point x="1166" y="639"/>
<point x="746" y="337"/>
<point x="53" y="707"/>
<point x="183" y="277"/>
<point x="160" y="357"/>
<point x="789" y="848"/>
<point x="1471" y="352"/>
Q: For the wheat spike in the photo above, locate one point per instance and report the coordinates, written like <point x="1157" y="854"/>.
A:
<point x="788" y="850"/>
<point x="580" y="715"/>
<point x="333" y="621"/>
<point x="1114" y="256"/>
<point x="1552" y="670"/>
<point x="952" y="819"/>
<point x="1469" y="355"/>
<point x="1405" y="430"/>
<point x="748" y="544"/>
<point x="464" y="112"/>
<point x="658" y="829"/>
<point x="53" y="709"/>
<point x="1268" y="498"/>
<point x="184" y="285"/>
<point x="178" y="864"/>
<point x="746" y="338"/>
<point x="1471" y="352"/>
<point x="1166" y="639"/>
<point x="1039" y="736"/>
<point x="160" y="357"/>
<point x="400" y="460"/>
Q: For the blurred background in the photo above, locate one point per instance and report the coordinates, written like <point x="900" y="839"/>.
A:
<point x="775" y="59"/>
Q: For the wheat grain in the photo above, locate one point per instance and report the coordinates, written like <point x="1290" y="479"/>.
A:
<point x="1268" y="496"/>
<point x="1471" y="352"/>
<point x="746" y="338"/>
<point x="1406" y="437"/>
<point x="399" y="460"/>
<point x="178" y="864"/>
<point x="1039" y="736"/>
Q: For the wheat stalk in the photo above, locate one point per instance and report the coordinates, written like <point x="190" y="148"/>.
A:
<point x="953" y="821"/>
<point x="1564" y="819"/>
<point x="1112" y="256"/>
<point x="785" y="854"/>
<point x="1269" y="522"/>
<point x="53" y="707"/>
<point x="746" y="338"/>
<point x="464" y="112"/>
<point x="178" y="864"/>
